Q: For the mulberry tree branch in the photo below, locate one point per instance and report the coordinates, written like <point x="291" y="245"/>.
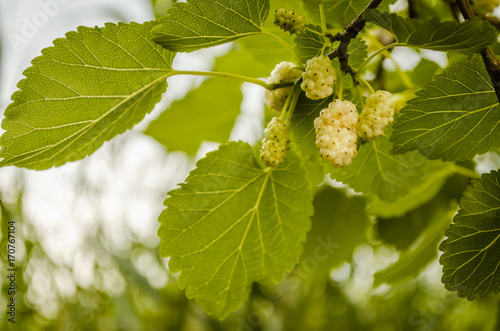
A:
<point x="350" y="32"/>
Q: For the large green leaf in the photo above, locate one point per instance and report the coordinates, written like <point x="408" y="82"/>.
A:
<point x="234" y="223"/>
<point x="89" y="87"/>
<point x="206" y="23"/>
<point x="454" y="117"/>
<point x="469" y="37"/>
<point x="471" y="257"/>
<point x="375" y="170"/>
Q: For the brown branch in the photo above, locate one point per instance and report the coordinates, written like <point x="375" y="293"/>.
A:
<point x="490" y="60"/>
<point x="349" y="33"/>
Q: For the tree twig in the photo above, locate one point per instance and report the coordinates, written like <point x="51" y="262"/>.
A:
<point x="489" y="58"/>
<point x="345" y="37"/>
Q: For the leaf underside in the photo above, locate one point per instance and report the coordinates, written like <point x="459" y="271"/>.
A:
<point x="233" y="223"/>
<point x="471" y="258"/>
<point x="196" y="24"/>
<point x="92" y="85"/>
<point x="455" y="117"/>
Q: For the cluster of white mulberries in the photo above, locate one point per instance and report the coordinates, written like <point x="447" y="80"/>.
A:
<point x="283" y="72"/>
<point x="319" y="78"/>
<point x="288" y="20"/>
<point x="377" y="114"/>
<point x="275" y="143"/>
<point x="336" y="136"/>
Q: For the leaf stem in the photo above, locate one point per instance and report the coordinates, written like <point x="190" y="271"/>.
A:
<point x="269" y="86"/>
<point x="377" y="52"/>
<point x="341" y="85"/>
<point x="323" y="17"/>
<point x="466" y="171"/>
<point x="284" y="43"/>
<point x="362" y="80"/>
<point x="292" y="102"/>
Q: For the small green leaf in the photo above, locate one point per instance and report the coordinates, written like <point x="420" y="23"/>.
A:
<point x="201" y="23"/>
<point x="469" y="37"/>
<point x="357" y="52"/>
<point x="92" y="85"/>
<point x="375" y="170"/>
<point x="199" y="116"/>
<point x="471" y="257"/>
<point x="455" y="117"/>
<point x="309" y="44"/>
<point x="412" y="261"/>
<point x="234" y="223"/>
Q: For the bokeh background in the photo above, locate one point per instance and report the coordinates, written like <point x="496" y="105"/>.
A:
<point x="86" y="244"/>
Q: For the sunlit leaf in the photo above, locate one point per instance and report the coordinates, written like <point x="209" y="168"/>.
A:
<point x="455" y="117"/>
<point x="196" y="24"/>
<point x="234" y="223"/>
<point x="471" y="257"/>
<point x="92" y="85"/>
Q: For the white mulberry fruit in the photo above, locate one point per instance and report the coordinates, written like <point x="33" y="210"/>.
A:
<point x="376" y="116"/>
<point x="319" y="78"/>
<point x="275" y="143"/>
<point x="283" y="72"/>
<point x="336" y="136"/>
<point x="288" y="20"/>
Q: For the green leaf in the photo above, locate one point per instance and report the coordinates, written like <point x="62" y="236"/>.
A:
<point x="454" y="117"/>
<point x="308" y="43"/>
<point x="412" y="261"/>
<point x="469" y="37"/>
<point x="435" y="175"/>
<point x="199" y="116"/>
<point x="234" y="223"/>
<point x="339" y="13"/>
<point x="201" y="23"/>
<point x="357" y="52"/>
<point x="302" y="126"/>
<point x="375" y="170"/>
<point x="339" y="225"/>
<point x="92" y="85"/>
<point x="471" y="257"/>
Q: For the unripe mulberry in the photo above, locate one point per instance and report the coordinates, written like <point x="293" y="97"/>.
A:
<point x="376" y="116"/>
<point x="283" y="72"/>
<point x="275" y="143"/>
<point x="319" y="78"/>
<point x="288" y="20"/>
<point x="336" y="136"/>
